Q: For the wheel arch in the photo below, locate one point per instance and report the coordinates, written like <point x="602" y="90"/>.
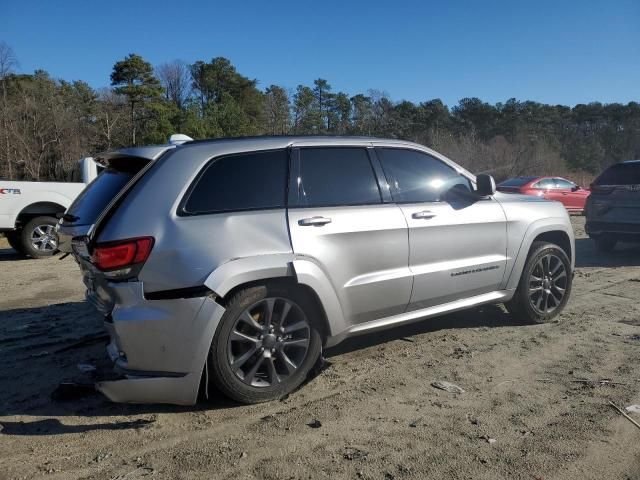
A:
<point x="242" y="273"/>
<point x="557" y="237"/>
<point x="553" y="230"/>
<point x="38" y="209"/>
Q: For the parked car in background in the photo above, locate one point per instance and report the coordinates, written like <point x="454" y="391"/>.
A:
<point x="233" y="262"/>
<point x="572" y="196"/>
<point x="29" y="210"/>
<point x="613" y="208"/>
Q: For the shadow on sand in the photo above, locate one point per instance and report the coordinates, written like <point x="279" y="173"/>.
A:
<point x="624" y="255"/>
<point x="30" y="374"/>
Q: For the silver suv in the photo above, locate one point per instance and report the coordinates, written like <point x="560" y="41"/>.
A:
<point x="233" y="262"/>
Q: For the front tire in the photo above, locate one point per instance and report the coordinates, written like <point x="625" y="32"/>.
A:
<point x="266" y="343"/>
<point x="38" y="238"/>
<point x="545" y="284"/>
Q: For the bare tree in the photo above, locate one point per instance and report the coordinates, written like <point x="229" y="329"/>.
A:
<point x="276" y="109"/>
<point x="176" y="79"/>
<point x="8" y="62"/>
<point x="110" y="117"/>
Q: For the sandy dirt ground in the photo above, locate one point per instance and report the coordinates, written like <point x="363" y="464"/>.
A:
<point x="535" y="404"/>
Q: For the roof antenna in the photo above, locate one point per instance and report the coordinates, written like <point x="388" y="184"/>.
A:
<point x="179" y="139"/>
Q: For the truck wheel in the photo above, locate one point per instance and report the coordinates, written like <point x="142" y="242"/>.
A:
<point x="545" y="284"/>
<point x="14" y="239"/>
<point x="38" y="238"/>
<point x="265" y="345"/>
<point x="605" y="244"/>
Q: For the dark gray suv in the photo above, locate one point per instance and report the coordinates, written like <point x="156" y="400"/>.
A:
<point x="613" y="208"/>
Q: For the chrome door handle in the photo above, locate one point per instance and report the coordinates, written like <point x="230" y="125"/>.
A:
<point x="424" y="215"/>
<point x="315" y="221"/>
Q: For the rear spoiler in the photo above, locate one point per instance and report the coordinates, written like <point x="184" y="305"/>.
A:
<point x="145" y="154"/>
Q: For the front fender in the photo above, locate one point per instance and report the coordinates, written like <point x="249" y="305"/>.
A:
<point x="534" y="229"/>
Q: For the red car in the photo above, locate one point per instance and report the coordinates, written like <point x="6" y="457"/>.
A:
<point x="572" y="196"/>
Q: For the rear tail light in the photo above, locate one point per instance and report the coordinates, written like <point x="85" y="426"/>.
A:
<point x="122" y="254"/>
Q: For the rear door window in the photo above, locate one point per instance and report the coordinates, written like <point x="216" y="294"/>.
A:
<point x="335" y="176"/>
<point x="416" y="177"/>
<point x="620" y="174"/>
<point x="76" y="173"/>
<point x="247" y="181"/>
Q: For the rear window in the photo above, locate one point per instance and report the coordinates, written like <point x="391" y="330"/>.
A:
<point x="516" y="182"/>
<point x="96" y="196"/>
<point x="620" y="174"/>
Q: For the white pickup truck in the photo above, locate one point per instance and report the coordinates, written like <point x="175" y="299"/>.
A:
<point x="29" y="211"/>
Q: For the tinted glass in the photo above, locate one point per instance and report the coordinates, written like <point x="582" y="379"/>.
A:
<point x="545" y="183"/>
<point x="336" y="176"/>
<point x="417" y="177"/>
<point x="247" y="181"/>
<point x="516" y="182"/>
<point x="620" y="174"/>
<point x="563" y="184"/>
<point x="76" y="173"/>
<point x="92" y="201"/>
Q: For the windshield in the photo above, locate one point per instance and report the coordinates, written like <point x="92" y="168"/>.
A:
<point x="620" y="174"/>
<point x="516" y="182"/>
<point x="96" y="196"/>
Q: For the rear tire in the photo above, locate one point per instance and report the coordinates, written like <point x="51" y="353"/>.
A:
<point x="605" y="244"/>
<point x="545" y="284"/>
<point x="38" y="238"/>
<point x="266" y="344"/>
<point x="14" y="240"/>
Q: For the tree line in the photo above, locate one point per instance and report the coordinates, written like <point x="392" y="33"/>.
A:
<point x="47" y="124"/>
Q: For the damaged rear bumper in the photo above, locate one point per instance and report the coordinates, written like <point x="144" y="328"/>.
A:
<point x="181" y="390"/>
<point x="159" y="347"/>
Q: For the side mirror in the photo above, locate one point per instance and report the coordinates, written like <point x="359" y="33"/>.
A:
<point x="485" y="185"/>
<point x="575" y="188"/>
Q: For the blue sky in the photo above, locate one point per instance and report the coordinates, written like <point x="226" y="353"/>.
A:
<point x="560" y="51"/>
